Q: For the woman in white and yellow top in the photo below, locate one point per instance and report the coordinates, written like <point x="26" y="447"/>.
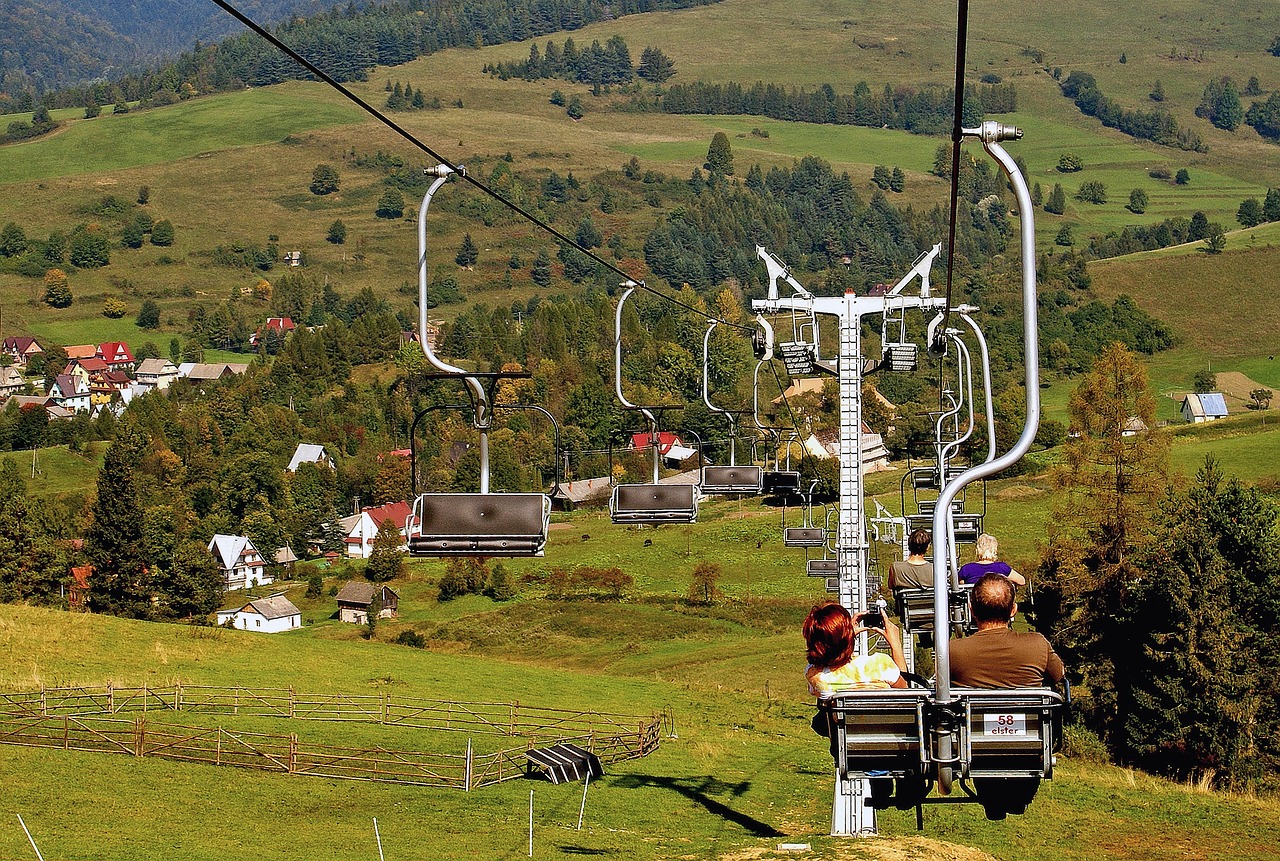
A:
<point x="829" y="633"/>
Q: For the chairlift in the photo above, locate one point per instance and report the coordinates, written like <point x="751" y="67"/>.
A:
<point x="777" y="481"/>
<point x="732" y="478"/>
<point x="653" y="503"/>
<point x="800" y="353"/>
<point x="933" y="737"/>
<point x="470" y="524"/>
<point x="807" y="534"/>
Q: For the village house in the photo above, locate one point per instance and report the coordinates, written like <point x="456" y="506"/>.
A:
<point x="87" y="368"/>
<point x="357" y="597"/>
<point x="71" y="393"/>
<point x="78" y="588"/>
<point x="241" y="564"/>
<point x="206" y="372"/>
<point x="433" y="336"/>
<point x="11" y="381"/>
<point x="156" y="373"/>
<point x="117" y="356"/>
<point x="278" y="327"/>
<point x="670" y="446"/>
<point x="361" y="529"/>
<point x="264" y="615"/>
<point x="21" y="348"/>
<point x="826" y="444"/>
<point x="309" y="453"/>
<point x="81" y="351"/>
<point x="1200" y="407"/>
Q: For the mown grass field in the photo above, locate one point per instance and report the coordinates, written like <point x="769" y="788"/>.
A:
<point x="743" y="775"/>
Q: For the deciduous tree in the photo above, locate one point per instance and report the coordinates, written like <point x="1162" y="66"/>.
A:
<point x="1113" y="479"/>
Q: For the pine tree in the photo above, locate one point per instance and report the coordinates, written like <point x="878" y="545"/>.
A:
<point x="467" y="254"/>
<point x="1057" y="200"/>
<point x="113" y="541"/>
<point x="720" y="155"/>
<point x="1113" y="483"/>
<point x="541" y="272"/>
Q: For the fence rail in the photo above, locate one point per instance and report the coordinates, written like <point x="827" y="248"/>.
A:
<point x="85" y="719"/>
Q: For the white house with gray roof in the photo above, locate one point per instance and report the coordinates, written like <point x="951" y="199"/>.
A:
<point x="265" y="615"/>
<point x="241" y="564"/>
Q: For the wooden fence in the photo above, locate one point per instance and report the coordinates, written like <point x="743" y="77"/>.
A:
<point x="86" y="719"/>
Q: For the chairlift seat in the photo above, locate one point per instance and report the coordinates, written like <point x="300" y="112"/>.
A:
<point x="879" y="733"/>
<point x="804" y="536"/>
<point x="915" y="609"/>
<point x="822" y="567"/>
<point x="732" y="479"/>
<point x="799" y="357"/>
<point x="781" y="481"/>
<point x="479" y="524"/>
<point x="902" y="357"/>
<point x="652" y="504"/>
<point x="1008" y="732"/>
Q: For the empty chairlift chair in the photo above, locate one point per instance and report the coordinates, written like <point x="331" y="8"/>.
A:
<point x="470" y="524"/>
<point x="479" y="524"/>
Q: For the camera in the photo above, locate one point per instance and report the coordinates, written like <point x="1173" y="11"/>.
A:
<point x="874" y="617"/>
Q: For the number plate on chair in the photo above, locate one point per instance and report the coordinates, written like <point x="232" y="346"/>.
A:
<point x="1004" y="724"/>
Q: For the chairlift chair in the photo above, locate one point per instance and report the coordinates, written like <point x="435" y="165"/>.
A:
<point x="732" y="478"/>
<point x="653" y="503"/>
<point x="807" y="534"/>
<point x="471" y="524"/>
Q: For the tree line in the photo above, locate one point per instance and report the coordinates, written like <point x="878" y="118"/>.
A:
<point x="598" y="65"/>
<point x="1158" y="125"/>
<point x="923" y="110"/>
<point x="345" y="43"/>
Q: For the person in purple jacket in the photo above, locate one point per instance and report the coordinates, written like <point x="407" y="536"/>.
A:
<point x="986" y="563"/>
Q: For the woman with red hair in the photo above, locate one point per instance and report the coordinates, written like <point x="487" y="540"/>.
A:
<point x="829" y="633"/>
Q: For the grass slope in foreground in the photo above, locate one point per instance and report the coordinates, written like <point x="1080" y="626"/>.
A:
<point x="745" y="773"/>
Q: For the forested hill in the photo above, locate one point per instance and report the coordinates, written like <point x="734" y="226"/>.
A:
<point x="55" y="43"/>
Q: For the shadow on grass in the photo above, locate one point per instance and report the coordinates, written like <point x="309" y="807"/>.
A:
<point x="583" y="850"/>
<point x="701" y="790"/>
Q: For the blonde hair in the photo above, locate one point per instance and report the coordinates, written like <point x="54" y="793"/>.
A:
<point x="986" y="548"/>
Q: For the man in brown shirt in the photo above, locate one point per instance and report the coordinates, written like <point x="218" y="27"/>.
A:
<point x="996" y="656"/>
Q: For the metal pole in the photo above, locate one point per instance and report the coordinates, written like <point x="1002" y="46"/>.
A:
<point x="29" y="837"/>
<point x="530" y="823"/>
<point x="378" y="837"/>
<point x="990" y="133"/>
<point x="583" y="808"/>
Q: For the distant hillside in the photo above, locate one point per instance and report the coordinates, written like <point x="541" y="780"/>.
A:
<point x="56" y="43"/>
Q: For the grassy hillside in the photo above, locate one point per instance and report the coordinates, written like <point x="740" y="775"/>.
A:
<point x="744" y="774"/>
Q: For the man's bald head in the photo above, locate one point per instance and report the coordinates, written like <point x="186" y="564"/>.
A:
<point x="992" y="599"/>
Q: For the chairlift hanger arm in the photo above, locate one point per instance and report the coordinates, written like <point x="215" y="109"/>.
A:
<point x="921" y="268"/>
<point x="778" y="270"/>
<point x="991" y="134"/>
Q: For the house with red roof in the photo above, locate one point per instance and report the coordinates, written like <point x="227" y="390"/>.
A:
<point x="117" y="356"/>
<point x="279" y="326"/>
<point x="360" y="529"/>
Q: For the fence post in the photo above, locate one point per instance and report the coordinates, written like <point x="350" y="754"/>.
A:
<point x="293" y="704"/>
<point x="111" y="698"/>
<point x="177" y="697"/>
<point x="66" y="733"/>
<point x="466" y="778"/>
<point x="385" y="698"/>
<point x="139" y="737"/>
<point x="44" y="701"/>
<point x="293" y="752"/>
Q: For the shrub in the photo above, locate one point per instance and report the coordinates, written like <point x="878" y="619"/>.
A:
<point x="412" y="639"/>
<point x="1069" y="162"/>
<point x="113" y="307"/>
